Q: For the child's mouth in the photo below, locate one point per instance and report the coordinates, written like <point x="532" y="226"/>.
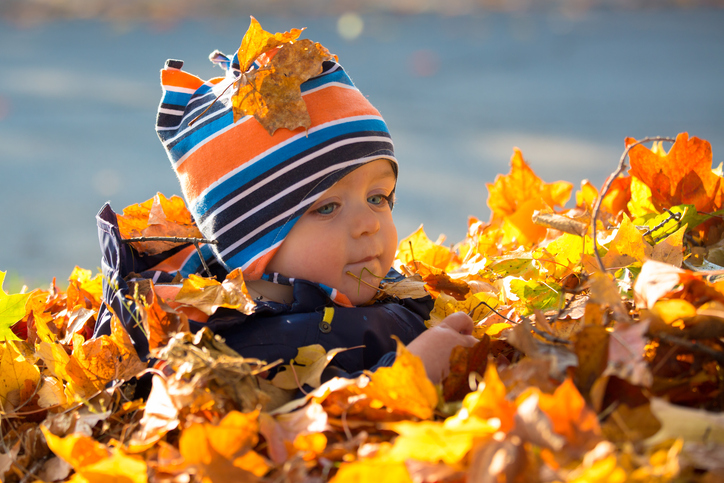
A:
<point x="364" y="260"/>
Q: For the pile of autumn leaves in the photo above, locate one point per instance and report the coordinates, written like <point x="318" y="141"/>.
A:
<point x="580" y="374"/>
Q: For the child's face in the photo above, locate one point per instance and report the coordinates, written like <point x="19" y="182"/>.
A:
<point x="349" y="229"/>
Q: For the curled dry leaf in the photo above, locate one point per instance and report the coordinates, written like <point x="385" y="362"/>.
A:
<point x="158" y="216"/>
<point x="207" y="295"/>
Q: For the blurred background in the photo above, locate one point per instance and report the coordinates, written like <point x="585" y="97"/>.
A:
<point x="460" y="83"/>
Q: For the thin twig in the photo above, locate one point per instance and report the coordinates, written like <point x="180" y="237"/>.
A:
<point x="178" y="239"/>
<point x="34" y="469"/>
<point x="607" y="186"/>
<point x="172" y="239"/>
<point x="672" y="216"/>
<point x="359" y="279"/>
<point x="472" y="311"/>
<point x="192" y="121"/>
<point x="692" y="346"/>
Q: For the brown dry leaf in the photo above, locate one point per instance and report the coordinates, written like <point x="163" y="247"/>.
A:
<point x="409" y="287"/>
<point x="631" y="424"/>
<point x="605" y="292"/>
<point x="560" y="222"/>
<point x="525" y="373"/>
<point x="207" y="295"/>
<point x="671" y="249"/>
<point x="158" y="216"/>
<point x="681" y="176"/>
<point x="591" y="348"/>
<point x="626" y="354"/>
<point x="463" y="362"/>
<point x="271" y="93"/>
<point x="498" y="461"/>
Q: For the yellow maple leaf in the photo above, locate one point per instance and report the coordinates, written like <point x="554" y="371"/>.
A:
<point x="305" y="368"/>
<point x="77" y="449"/>
<point x="216" y="451"/>
<point x="627" y="247"/>
<point x="16" y="369"/>
<point x="256" y="41"/>
<point x="382" y="468"/>
<point x="488" y="402"/>
<point x="417" y="397"/>
<point x="419" y="248"/>
<point x="434" y="441"/>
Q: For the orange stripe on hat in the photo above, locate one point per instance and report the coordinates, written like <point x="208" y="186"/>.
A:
<point x="175" y="261"/>
<point x="221" y="155"/>
<point x="256" y="269"/>
<point x="178" y="78"/>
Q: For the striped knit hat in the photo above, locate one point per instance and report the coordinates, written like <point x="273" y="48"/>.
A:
<point x="246" y="188"/>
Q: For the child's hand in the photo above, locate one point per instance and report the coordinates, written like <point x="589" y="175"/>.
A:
<point x="435" y="345"/>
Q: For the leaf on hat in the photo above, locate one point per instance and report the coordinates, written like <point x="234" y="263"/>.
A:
<point x="272" y="93"/>
<point x="159" y="216"/>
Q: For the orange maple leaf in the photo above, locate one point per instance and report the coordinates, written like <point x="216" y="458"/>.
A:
<point x="571" y="417"/>
<point x="514" y="197"/>
<point x="681" y="176"/>
<point x="509" y="192"/>
<point x="159" y="216"/>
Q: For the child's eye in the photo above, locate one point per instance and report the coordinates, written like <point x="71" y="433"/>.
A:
<point x="326" y="209"/>
<point x="379" y="199"/>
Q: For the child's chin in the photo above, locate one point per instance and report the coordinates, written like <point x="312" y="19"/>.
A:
<point x="361" y="295"/>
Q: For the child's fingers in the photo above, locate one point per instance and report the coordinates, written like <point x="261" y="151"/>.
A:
<point x="460" y="322"/>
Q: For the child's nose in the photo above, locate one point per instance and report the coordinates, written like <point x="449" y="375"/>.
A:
<point x="365" y="222"/>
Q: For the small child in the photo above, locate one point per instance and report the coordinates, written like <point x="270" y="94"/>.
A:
<point x="307" y="216"/>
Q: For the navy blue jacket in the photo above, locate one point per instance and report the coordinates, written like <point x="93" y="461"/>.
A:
<point x="275" y="330"/>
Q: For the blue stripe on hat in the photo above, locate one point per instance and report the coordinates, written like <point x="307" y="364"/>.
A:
<point x="268" y="161"/>
<point x="252" y="251"/>
<point x="180" y="99"/>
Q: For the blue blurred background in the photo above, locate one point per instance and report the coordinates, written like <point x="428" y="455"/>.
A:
<point x="460" y="83"/>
